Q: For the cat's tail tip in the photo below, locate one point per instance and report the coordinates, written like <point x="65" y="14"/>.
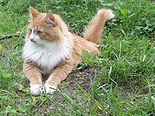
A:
<point x="109" y="13"/>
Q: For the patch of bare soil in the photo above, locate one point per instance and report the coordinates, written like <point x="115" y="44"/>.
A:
<point x="83" y="77"/>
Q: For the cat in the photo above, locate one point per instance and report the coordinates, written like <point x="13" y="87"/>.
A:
<point x="50" y="48"/>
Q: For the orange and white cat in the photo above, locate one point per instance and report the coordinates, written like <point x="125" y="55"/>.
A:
<point x="50" y="48"/>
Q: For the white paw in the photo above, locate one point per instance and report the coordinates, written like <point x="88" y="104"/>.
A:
<point x="36" y="89"/>
<point x="49" y="89"/>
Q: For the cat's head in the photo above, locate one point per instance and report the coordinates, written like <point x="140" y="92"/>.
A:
<point x="45" y="27"/>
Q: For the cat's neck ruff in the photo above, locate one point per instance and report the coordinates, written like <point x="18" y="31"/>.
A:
<point x="48" y="54"/>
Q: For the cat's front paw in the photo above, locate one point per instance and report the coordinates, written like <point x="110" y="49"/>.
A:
<point x="36" y="89"/>
<point x="49" y="89"/>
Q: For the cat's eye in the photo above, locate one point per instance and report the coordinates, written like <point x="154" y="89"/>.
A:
<point x="39" y="32"/>
<point x="30" y="30"/>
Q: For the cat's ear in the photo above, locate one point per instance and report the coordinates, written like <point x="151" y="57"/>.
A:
<point x="33" y="12"/>
<point x="50" y="20"/>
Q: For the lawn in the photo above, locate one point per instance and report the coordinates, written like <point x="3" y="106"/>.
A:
<point x="120" y="81"/>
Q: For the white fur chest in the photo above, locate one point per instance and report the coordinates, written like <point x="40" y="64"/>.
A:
<point x="46" y="55"/>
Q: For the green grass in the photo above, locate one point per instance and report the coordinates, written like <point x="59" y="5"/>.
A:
<point x="123" y="83"/>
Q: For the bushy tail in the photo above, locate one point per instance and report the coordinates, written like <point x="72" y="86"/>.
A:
<point x="94" y="30"/>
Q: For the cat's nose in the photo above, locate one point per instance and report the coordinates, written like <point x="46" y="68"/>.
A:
<point x="31" y="39"/>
